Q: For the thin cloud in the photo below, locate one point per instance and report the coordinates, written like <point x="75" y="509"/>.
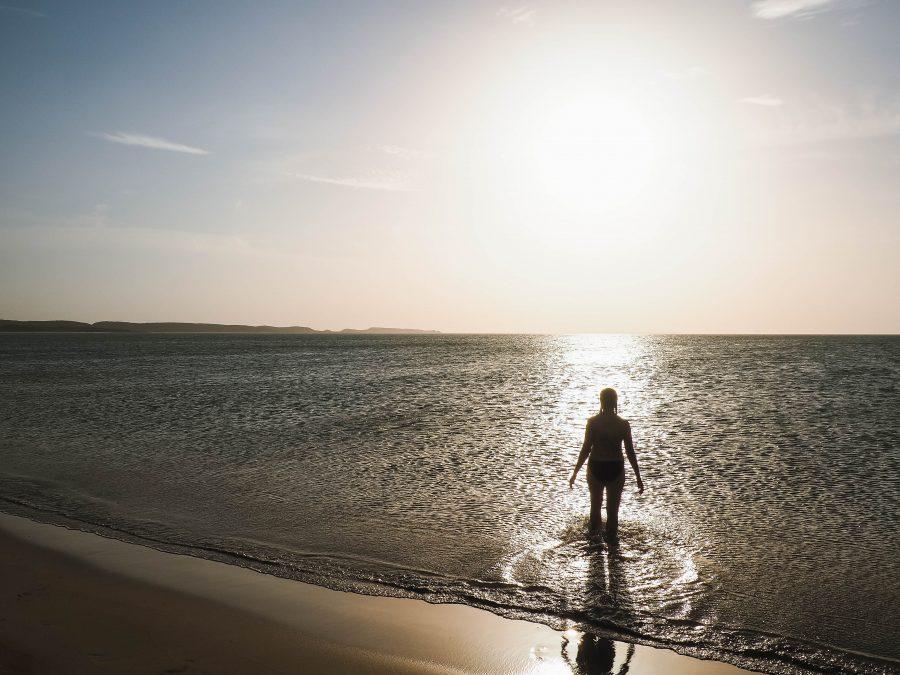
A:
<point x="780" y="9"/>
<point x="765" y="100"/>
<point x="398" y="151"/>
<point x="880" y="126"/>
<point x="21" y="11"/>
<point x="94" y="229"/>
<point x="151" y="142"/>
<point x="692" y="73"/>
<point x="520" y="14"/>
<point x="824" y="123"/>
<point x="390" y="183"/>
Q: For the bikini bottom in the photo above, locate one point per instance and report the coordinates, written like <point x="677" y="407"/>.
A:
<point x="606" y="471"/>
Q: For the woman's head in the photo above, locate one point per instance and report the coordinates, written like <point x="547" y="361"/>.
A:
<point x="609" y="400"/>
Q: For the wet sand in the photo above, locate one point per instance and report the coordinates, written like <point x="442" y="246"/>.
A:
<point x="76" y="602"/>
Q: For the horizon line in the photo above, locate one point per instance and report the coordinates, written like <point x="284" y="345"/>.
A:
<point x="434" y="331"/>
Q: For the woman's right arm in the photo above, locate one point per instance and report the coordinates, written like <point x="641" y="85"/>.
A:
<point x="582" y="457"/>
<point x="632" y="457"/>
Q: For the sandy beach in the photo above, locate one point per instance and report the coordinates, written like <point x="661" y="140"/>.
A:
<point x="80" y="603"/>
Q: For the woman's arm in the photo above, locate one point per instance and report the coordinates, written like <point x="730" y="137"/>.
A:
<point x="582" y="457"/>
<point x="632" y="457"/>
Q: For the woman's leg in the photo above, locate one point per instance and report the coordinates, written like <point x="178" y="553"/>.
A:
<point x="596" y="489"/>
<point x="613" y="497"/>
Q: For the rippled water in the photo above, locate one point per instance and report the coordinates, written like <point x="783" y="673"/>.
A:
<point x="436" y="466"/>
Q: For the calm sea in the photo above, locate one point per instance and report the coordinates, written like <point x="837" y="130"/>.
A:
<point x="436" y="467"/>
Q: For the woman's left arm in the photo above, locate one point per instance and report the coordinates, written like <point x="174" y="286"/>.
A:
<point x="582" y="457"/>
<point x="632" y="457"/>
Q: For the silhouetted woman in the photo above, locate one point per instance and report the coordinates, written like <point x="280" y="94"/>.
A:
<point x="603" y="439"/>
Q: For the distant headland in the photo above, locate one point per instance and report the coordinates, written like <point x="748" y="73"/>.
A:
<point x="10" y="326"/>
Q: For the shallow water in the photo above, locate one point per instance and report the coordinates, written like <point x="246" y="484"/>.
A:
<point x="436" y="466"/>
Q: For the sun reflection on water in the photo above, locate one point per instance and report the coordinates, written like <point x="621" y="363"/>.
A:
<point x="589" y="363"/>
<point x="580" y="366"/>
<point x="585" y="364"/>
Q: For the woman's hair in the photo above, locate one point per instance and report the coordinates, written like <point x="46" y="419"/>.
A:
<point x="609" y="400"/>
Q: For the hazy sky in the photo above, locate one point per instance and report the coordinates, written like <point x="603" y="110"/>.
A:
<point x="466" y="166"/>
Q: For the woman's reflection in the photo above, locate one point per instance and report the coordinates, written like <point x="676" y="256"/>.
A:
<point x="597" y="656"/>
<point x="605" y="587"/>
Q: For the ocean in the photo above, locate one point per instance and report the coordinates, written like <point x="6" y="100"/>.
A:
<point x="436" y="467"/>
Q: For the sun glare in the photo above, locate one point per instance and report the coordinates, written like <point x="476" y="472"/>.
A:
<point x="575" y="152"/>
<point x="592" y="155"/>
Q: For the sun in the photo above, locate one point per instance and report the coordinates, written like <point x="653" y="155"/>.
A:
<point x="578" y="162"/>
<point x="575" y="146"/>
<point x="592" y="154"/>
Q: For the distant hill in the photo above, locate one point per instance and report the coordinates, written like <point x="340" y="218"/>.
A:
<point x="175" y="327"/>
<point x="9" y="326"/>
<point x="380" y="330"/>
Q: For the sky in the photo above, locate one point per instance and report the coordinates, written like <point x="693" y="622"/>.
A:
<point x="465" y="166"/>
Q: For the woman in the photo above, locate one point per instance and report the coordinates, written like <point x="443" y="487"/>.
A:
<point x="603" y="439"/>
